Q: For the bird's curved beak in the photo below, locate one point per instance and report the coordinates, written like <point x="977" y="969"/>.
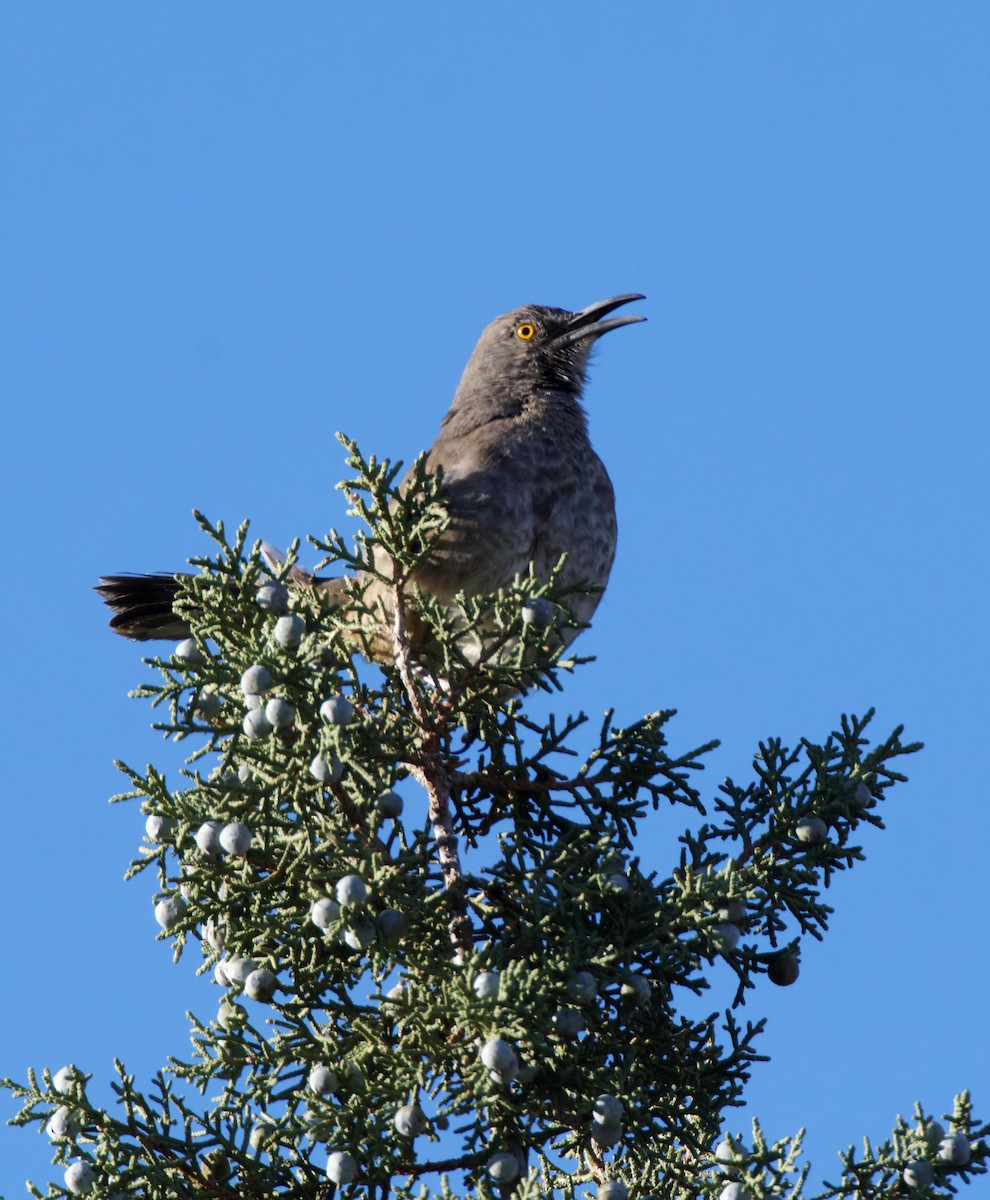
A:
<point x="588" y="323"/>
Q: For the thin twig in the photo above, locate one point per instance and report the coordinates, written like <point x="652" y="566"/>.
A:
<point x="433" y="776"/>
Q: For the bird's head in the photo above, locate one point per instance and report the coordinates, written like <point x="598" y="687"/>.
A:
<point x="535" y="349"/>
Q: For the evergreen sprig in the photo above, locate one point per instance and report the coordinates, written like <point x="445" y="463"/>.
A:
<point x="475" y="988"/>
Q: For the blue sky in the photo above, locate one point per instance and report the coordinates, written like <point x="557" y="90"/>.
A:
<point x="231" y="230"/>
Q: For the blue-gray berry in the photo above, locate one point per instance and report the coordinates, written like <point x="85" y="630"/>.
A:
<point x="359" y="934"/>
<point x="256" y="724"/>
<point x="498" y="1055"/>
<point x="930" y="1131"/>
<point x="326" y="770"/>
<point x="207" y="706"/>
<point x="256" y="680"/>
<point x="389" y="804"/>
<point x="236" y="838"/>
<point x="918" y="1173"/>
<point x="486" y="985"/>
<point x="503" y="1167"/>
<point x="262" y="1135"/>
<point x="410" y="1121"/>
<point x="322" y="1081"/>
<point x="169" y="912"/>
<point x="617" y="884"/>
<point x="537" y="611"/>
<point x="273" y="597"/>
<point x="613" y="1189"/>
<point x="812" y="831"/>
<point x="606" y="1133"/>
<point x="281" y="712"/>
<point x="324" y="913"/>
<point x="350" y="890"/>
<point x="337" y="711"/>
<point x="231" y="1016"/>
<point x="208" y="837"/>
<point x="568" y="1022"/>
<point x="392" y="923"/>
<point x="214" y="933"/>
<point x="725" y="937"/>
<point x="260" y="985"/>
<point x="318" y="1129"/>
<point x="862" y="797"/>
<point x="783" y="969"/>
<point x="238" y="969"/>
<point x="730" y="1154"/>
<point x="341" y="1167"/>
<point x="607" y="1110"/>
<point x="63" y="1123"/>
<point x="637" y="989"/>
<point x="582" y="987"/>
<point x="64" y="1079"/>
<point x="188" y="652"/>
<point x="954" y="1149"/>
<point x="159" y="828"/>
<point x="79" y="1177"/>
<point x="290" y="630"/>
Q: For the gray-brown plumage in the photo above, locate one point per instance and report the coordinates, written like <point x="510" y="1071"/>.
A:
<point x="521" y="481"/>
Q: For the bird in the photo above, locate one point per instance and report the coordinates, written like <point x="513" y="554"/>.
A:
<point x="521" y="482"/>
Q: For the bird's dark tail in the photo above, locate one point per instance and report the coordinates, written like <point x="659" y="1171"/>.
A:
<point x="142" y="606"/>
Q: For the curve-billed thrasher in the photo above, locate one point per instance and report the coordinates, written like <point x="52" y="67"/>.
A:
<point x="521" y="481"/>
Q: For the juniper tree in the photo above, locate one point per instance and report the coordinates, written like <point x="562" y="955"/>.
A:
<point x="442" y="968"/>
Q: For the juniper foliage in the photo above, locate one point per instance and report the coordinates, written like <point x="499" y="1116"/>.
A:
<point x="475" y="989"/>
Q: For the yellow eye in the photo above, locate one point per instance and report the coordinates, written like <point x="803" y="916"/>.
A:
<point x="525" y="332"/>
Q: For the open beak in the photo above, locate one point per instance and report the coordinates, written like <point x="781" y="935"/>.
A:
<point x="588" y="324"/>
